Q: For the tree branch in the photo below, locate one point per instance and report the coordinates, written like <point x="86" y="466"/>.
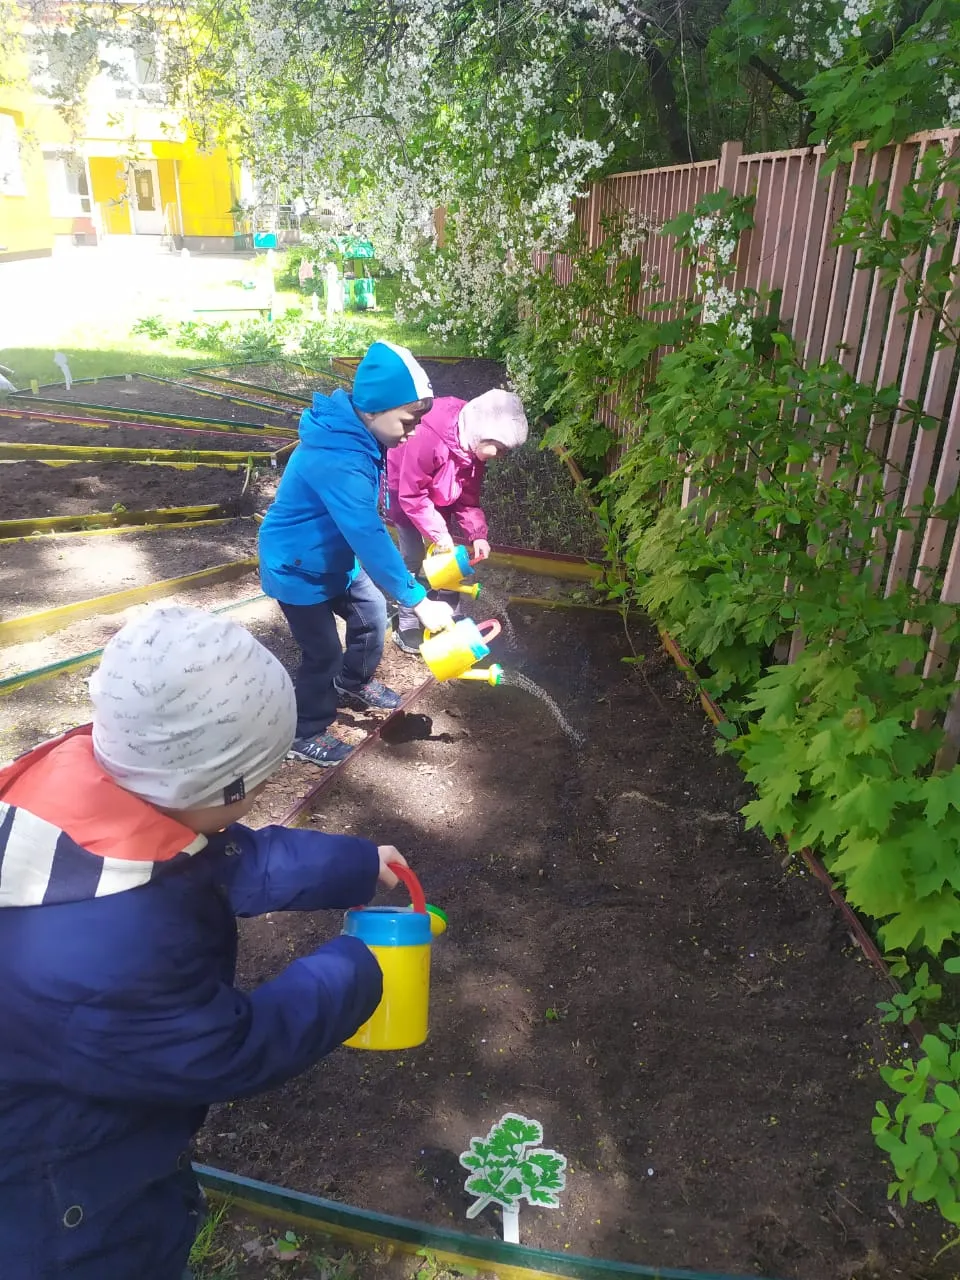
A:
<point x="776" y="79"/>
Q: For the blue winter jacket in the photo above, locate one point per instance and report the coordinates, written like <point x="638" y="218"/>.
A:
<point x="119" y="1021"/>
<point x="325" y="516"/>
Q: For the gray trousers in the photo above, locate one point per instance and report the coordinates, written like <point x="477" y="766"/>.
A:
<point x="412" y="548"/>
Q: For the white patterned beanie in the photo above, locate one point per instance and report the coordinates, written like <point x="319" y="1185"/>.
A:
<point x="496" y="415"/>
<point x="189" y="710"/>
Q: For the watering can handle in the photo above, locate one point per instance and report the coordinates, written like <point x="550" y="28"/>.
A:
<point x="407" y="877"/>
<point x="493" y="633"/>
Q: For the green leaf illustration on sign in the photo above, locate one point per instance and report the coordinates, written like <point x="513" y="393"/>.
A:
<point x="509" y="1165"/>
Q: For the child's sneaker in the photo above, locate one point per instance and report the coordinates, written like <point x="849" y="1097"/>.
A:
<point x="409" y="641"/>
<point x="370" y="696"/>
<point x="324" y="750"/>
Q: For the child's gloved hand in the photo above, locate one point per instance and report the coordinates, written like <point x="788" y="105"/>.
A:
<point x="481" y="549"/>
<point x="388" y="853"/>
<point x="434" y="615"/>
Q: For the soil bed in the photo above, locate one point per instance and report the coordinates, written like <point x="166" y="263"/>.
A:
<point x="46" y="572"/>
<point x="147" y="396"/>
<point x="688" y="1020"/>
<point x="295" y="380"/>
<point x="33" y="489"/>
<point x="41" y="710"/>
<point x="465" y="378"/>
<point x="280" y="400"/>
<point x="41" y="431"/>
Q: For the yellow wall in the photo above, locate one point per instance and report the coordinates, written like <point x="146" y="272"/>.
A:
<point x="25" y="225"/>
<point x="168" y="184"/>
<point x="207" y="180"/>
<point x="207" y="188"/>
<point x="109" y="187"/>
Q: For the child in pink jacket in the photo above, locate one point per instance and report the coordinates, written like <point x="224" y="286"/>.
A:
<point x="434" y="480"/>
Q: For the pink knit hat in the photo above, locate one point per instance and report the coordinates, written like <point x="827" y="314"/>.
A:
<point x="496" y="415"/>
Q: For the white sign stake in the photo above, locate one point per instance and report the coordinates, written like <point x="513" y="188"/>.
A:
<point x="511" y="1226"/>
<point x="60" y="360"/>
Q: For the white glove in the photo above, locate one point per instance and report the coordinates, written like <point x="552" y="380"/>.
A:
<point x="434" y="615"/>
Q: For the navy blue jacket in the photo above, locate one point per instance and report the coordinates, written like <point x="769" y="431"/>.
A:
<point x="120" y="1022"/>
<point x="326" y="516"/>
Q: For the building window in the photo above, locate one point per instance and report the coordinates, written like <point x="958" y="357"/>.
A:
<point x="11" y="166"/>
<point x="132" y="71"/>
<point x="67" y="184"/>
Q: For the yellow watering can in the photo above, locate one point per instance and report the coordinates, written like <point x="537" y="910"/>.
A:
<point x="400" y="940"/>
<point x="445" y="571"/>
<point x="451" y="654"/>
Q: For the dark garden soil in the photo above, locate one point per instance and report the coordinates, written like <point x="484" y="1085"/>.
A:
<point x="43" y="573"/>
<point x="686" y="1017"/>
<point x="260" y="395"/>
<point x="296" y="380"/>
<point x="42" y="431"/>
<point x="148" y="396"/>
<point x="33" y="489"/>
<point x="43" y="709"/>
<point x="465" y="378"/>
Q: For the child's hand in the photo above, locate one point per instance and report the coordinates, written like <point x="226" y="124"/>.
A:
<point x="481" y="549"/>
<point x="389" y="854"/>
<point x="434" y="615"/>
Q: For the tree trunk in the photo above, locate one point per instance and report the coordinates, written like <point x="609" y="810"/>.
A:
<point x="678" y="143"/>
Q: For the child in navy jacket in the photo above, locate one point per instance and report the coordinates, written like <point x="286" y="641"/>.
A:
<point x="122" y="869"/>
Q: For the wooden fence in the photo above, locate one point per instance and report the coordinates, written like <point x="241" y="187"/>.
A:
<point x="834" y="310"/>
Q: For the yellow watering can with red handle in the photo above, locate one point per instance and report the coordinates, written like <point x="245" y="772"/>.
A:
<point x="400" y="939"/>
<point x="452" y="654"/>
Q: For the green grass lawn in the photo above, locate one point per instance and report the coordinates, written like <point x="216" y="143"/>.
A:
<point x="111" y="347"/>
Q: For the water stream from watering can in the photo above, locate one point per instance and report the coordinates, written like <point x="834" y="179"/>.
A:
<point x="499" y="604"/>
<point x="520" y="681"/>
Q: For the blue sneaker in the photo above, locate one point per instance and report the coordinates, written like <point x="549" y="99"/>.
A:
<point x="324" y="750"/>
<point x="372" y="696"/>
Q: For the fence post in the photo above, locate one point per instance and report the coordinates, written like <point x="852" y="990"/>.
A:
<point x="730" y="153"/>
<point x="594" y="197"/>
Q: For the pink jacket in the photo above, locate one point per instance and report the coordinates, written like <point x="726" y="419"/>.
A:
<point x="432" y="477"/>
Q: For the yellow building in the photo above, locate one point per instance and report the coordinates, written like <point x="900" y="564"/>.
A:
<point x="131" y="169"/>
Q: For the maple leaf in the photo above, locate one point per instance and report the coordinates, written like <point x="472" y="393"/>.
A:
<point x="930" y="921"/>
<point x="941" y="793"/>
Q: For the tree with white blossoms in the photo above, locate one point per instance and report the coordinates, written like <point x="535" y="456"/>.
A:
<point x="501" y="114"/>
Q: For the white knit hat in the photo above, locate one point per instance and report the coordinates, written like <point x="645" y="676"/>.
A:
<point x="496" y="415"/>
<point x="189" y="710"/>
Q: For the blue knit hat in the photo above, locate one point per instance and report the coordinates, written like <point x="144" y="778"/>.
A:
<point x="388" y="377"/>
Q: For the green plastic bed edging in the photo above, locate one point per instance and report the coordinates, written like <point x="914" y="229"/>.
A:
<point x="475" y="1251"/>
<point x="78" y="660"/>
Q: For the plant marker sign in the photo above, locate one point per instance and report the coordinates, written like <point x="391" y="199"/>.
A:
<point x="508" y="1166"/>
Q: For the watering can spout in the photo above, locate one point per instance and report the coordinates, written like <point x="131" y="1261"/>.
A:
<point x="492" y="675"/>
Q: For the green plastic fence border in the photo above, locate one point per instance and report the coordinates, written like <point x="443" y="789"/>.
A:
<point x="121" y="415"/>
<point x="366" y="1228"/>
<point x="209" y="371"/>
<point x="283" y="400"/>
<point x="107" y="453"/>
<point x="26" y="526"/>
<point x="216" y="394"/>
<point x="78" y="660"/>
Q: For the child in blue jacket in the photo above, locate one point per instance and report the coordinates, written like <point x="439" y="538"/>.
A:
<point x="325" y="551"/>
<point x="122" y="869"/>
